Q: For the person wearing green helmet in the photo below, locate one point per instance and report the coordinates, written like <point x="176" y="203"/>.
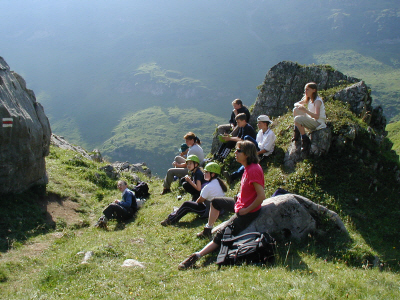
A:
<point x="193" y="183"/>
<point x="179" y="164"/>
<point x="246" y="206"/>
<point x="215" y="188"/>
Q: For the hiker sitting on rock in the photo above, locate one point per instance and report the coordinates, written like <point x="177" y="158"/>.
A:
<point x="265" y="142"/>
<point x="180" y="168"/>
<point x="214" y="188"/>
<point x="312" y="117"/>
<point x="120" y="209"/>
<point x="247" y="205"/>
<point x="245" y="130"/>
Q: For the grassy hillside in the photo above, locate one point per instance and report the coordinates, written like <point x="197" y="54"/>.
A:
<point x="154" y="135"/>
<point x="393" y="130"/>
<point x="44" y="261"/>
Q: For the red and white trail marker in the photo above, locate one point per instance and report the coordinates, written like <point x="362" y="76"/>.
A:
<point x="7" y="122"/>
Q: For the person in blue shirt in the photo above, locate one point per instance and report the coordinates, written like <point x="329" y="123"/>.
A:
<point x="120" y="209"/>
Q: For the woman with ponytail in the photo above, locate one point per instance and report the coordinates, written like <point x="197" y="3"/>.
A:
<point x="214" y="188"/>
<point x="308" y="113"/>
<point x="180" y="168"/>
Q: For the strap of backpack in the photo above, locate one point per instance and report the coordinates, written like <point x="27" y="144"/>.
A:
<point x="248" y="235"/>
<point x="223" y="252"/>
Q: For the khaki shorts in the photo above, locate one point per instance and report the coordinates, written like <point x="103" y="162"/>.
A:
<point x="307" y="122"/>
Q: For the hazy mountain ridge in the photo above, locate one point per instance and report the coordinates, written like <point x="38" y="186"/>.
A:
<point x="83" y="71"/>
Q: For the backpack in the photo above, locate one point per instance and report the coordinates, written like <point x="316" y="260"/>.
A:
<point x="141" y="190"/>
<point x="252" y="247"/>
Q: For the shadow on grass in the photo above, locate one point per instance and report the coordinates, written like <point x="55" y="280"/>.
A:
<point x="22" y="217"/>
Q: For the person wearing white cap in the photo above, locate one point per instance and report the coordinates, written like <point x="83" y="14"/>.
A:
<point x="265" y="142"/>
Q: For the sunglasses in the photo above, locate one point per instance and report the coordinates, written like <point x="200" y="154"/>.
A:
<point x="238" y="150"/>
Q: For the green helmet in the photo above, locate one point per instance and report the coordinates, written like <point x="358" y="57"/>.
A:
<point x="193" y="158"/>
<point x="213" y="167"/>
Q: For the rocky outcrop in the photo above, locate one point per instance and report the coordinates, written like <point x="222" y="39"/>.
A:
<point x="60" y="142"/>
<point x="24" y="134"/>
<point x="320" y="144"/>
<point x="284" y="85"/>
<point x="292" y="217"/>
<point x="359" y="97"/>
<point x="116" y="169"/>
<point x="113" y="170"/>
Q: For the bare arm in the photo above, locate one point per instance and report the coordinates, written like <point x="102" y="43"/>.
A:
<point x="259" y="199"/>
<point x="200" y="200"/>
<point x="317" y="110"/>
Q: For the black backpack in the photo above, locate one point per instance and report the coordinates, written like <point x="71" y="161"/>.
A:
<point x="141" y="190"/>
<point x="252" y="247"/>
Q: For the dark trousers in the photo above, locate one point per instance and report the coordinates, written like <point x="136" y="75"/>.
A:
<point x="188" y="207"/>
<point x="236" y="223"/>
<point x="115" y="211"/>
<point x="190" y="189"/>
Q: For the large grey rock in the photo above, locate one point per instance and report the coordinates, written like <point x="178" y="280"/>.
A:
<point x="284" y="85"/>
<point x="23" y="146"/>
<point x="359" y="97"/>
<point x="291" y="217"/>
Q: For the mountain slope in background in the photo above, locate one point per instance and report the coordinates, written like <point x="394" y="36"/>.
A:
<point x="84" y="59"/>
<point x="154" y="135"/>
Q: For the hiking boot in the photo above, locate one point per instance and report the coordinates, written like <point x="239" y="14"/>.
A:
<point x="101" y="224"/>
<point x="166" y="222"/>
<point x="188" y="262"/>
<point x="227" y="177"/>
<point x="206" y="233"/>
<point x="165" y="191"/>
<point x="296" y="134"/>
<point x="305" y="144"/>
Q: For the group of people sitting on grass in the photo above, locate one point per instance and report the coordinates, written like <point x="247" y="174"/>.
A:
<point x="206" y="187"/>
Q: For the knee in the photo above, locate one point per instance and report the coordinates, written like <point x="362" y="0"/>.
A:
<point x="297" y="120"/>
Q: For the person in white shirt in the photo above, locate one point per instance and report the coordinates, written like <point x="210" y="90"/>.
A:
<point x="213" y="189"/>
<point x="265" y="143"/>
<point x="179" y="164"/>
<point x="308" y="113"/>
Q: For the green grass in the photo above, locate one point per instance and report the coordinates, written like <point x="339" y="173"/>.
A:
<point x="42" y="262"/>
<point x="394" y="135"/>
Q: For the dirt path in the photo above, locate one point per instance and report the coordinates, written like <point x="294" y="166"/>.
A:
<point x="58" y="208"/>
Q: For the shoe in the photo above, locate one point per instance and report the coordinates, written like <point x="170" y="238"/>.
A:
<point x="165" y="191"/>
<point x="206" y="233"/>
<point x="102" y="223"/>
<point x="296" y="134"/>
<point x="188" y="262"/>
<point x="305" y="144"/>
<point x="227" y="177"/>
<point x="166" y="222"/>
